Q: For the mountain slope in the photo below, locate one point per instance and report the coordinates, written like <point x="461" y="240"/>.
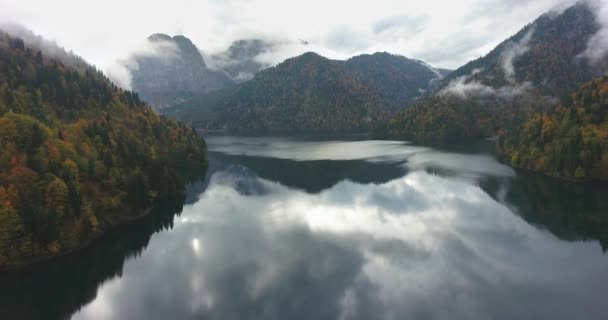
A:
<point x="569" y="140"/>
<point x="399" y="80"/>
<point x="51" y="49"/>
<point x="545" y="53"/>
<point x="78" y="155"/>
<point x="308" y="93"/>
<point x="174" y="73"/>
<point x="312" y="93"/>
<point x="525" y="73"/>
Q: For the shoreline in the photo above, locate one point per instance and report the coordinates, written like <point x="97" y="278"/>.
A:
<point x="22" y="264"/>
<point x="549" y="175"/>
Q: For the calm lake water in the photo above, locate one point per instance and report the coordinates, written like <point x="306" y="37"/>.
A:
<point x="340" y="229"/>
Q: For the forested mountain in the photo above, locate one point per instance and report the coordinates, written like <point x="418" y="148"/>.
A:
<point x="399" y="80"/>
<point x="174" y="73"/>
<point x="51" y="49"/>
<point x="78" y="154"/>
<point x="545" y="53"/>
<point x="306" y="93"/>
<point x="312" y="93"/>
<point x="525" y="73"/>
<point x="569" y="140"/>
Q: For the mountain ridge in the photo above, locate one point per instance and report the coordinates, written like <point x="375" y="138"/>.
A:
<point x="523" y="74"/>
<point x="170" y="76"/>
<point x="368" y="82"/>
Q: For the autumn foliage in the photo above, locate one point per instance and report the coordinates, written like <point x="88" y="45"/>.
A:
<point x="568" y="140"/>
<point x="77" y="154"/>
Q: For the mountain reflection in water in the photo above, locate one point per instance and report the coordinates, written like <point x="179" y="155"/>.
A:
<point x="296" y="229"/>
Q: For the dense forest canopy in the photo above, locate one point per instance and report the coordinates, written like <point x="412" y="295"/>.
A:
<point x="77" y="154"/>
<point x="398" y="80"/>
<point x="569" y="140"/>
<point x="307" y="93"/>
<point x="310" y="93"/>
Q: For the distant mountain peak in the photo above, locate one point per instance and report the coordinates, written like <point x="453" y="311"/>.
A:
<point x="183" y="43"/>
<point x="312" y="55"/>
<point x="525" y="73"/>
<point x="240" y="62"/>
<point x="159" y="37"/>
<point x="165" y="83"/>
<point x="311" y="93"/>
<point x="247" y="46"/>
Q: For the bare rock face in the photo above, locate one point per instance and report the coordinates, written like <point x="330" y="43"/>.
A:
<point x="175" y="74"/>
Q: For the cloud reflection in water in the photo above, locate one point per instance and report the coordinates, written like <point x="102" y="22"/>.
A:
<point x="420" y="246"/>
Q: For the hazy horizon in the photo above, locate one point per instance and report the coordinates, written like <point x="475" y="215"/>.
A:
<point x="444" y="38"/>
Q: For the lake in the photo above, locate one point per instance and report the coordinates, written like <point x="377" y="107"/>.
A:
<point x="340" y="228"/>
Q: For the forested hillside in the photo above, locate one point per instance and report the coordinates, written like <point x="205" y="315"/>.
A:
<point x="77" y="154"/>
<point x="310" y="93"/>
<point x="306" y="93"/>
<point x="398" y="80"/>
<point x="546" y="53"/>
<point x="569" y="140"/>
<point x="439" y="119"/>
<point x="524" y="74"/>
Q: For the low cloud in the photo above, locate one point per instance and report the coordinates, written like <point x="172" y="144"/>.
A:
<point x="512" y="51"/>
<point x="401" y="23"/>
<point x="597" y="47"/>
<point x="241" y="59"/>
<point x="244" y="58"/>
<point x="50" y="49"/>
<point x="121" y="71"/>
<point x="464" y="88"/>
<point x="448" y="37"/>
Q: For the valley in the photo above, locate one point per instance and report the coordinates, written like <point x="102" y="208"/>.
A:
<point x="320" y="160"/>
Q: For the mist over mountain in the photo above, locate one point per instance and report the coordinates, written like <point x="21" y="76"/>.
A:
<point x="311" y="92"/>
<point x="51" y="49"/>
<point x="239" y="60"/>
<point x="548" y="53"/>
<point x="532" y="69"/>
<point x="173" y="73"/>
<point x="271" y="159"/>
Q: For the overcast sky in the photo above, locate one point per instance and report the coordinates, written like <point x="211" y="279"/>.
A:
<point x="442" y="33"/>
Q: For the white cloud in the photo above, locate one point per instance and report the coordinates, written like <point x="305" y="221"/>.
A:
<point x="377" y="251"/>
<point x="121" y="71"/>
<point x="597" y="48"/>
<point x="445" y="34"/>
<point x="512" y="52"/>
<point x="464" y="88"/>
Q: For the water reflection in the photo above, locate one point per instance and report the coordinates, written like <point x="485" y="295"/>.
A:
<point x="571" y="211"/>
<point x="273" y="234"/>
<point x="310" y="176"/>
<point x="57" y="288"/>
<point x="420" y="245"/>
<point x="302" y="150"/>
